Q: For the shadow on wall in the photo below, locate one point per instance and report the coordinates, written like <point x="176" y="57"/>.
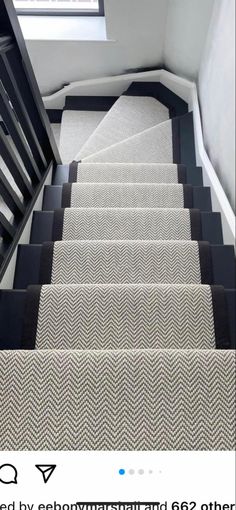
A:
<point x="169" y="32"/>
<point x="217" y="94"/>
<point x="135" y="36"/>
<point x="185" y="37"/>
<point x="123" y="72"/>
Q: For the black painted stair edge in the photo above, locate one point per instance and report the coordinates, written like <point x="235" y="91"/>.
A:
<point x="13" y="308"/>
<point x="34" y="265"/>
<point x="183" y="140"/>
<point x="52" y="198"/>
<point x="187" y="139"/>
<point x="90" y="103"/>
<point x="174" y="103"/>
<point x="61" y="175"/>
<point x="55" y="197"/>
<point x="55" y="116"/>
<point x="12" y="312"/>
<point x="42" y="229"/>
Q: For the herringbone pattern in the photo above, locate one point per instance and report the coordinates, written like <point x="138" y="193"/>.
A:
<point x="127" y="172"/>
<point x="127" y="339"/>
<point x="127" y="117"/>
<point x="125" y="317"/>
<point x="154" y="145"/>
<point x="126" y="223"/>
<point x="119" y="400"/>
<point x="126" y="262"/>
<point x="127" y="195"/>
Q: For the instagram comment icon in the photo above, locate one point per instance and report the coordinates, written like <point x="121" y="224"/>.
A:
<point x="8" y="474"/>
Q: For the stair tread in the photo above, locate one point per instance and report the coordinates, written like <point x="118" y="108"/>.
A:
<point x="153" y="145"/>
<point x="126" y="195"/>
<point x="123" y="316"/>
<point x="130" y="400"/>
<point x="175" y="104"/>
<point x="126" y="262"/>
<point x="129" y="172"/>
<point x="76" y="128"/>
<point x="124" y="223"/>
<point x="127" y="117"/>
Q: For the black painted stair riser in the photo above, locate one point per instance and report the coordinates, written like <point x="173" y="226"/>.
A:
<point x="34" y="265"/>
<point x="90" y="103"/>
<point x="48" y="225"/>
<point x="15" y="314"/>
<point x="69" y="173"/>
<point x="55" y="197"/>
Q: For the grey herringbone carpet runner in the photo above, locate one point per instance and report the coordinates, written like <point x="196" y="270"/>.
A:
<point x="127" y="223"/>
<point x="126" y="262"/>
<point x="127" y="117"/>
<point x="125" y="339"/>
<point x="124" y="317"/>
<point x="127" y="195"/>
<point x="154" y="145"/>
<point x="117" y="400"/>
<point x="129" y="172"/>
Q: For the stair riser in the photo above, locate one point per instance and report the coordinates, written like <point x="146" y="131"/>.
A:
<point x="189" y="175"/>
<point x="13" y="314"/>
<point x="58" y="196"/>
<point x="45" y="228"/>
<point x="35" y="265"/>
<point x="125" y="317"/>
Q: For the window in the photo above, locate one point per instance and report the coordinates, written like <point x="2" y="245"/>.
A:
<point x="60" y="7"/>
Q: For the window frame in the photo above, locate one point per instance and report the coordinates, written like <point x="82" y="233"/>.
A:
<point x="62" y="12"/>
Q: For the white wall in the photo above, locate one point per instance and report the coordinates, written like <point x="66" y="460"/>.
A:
<point x="135" y="32"/>
<point x="186" y="32"/>
<point x="142" y="33"/>
<point x="199" y="44"/>
<point x="217" y="94"/>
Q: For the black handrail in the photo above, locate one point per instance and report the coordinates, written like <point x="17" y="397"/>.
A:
<point x="30" y="150"/>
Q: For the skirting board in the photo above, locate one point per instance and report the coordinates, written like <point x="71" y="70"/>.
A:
<point x="115" y="86"/>
<point x="187" y="90"/>
<point x="220" y="201"/>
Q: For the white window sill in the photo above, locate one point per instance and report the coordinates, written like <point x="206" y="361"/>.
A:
<point x="63" y="28"/>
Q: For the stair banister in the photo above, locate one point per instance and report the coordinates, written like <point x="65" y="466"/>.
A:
<point x="28" y="150"/>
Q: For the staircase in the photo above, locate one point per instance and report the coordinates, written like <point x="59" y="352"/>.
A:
<point x="119" y="333"/>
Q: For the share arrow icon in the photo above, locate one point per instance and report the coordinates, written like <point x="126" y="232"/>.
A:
<point x="46" y="470"/>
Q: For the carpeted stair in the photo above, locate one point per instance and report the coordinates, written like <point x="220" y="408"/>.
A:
<point x="119" y="332"/>
<point x="125" y="317"/>
<point x="154" y="145"/>
<point x="127" y="195"/>
<point x="117" y="400"/>
<point x="129" y="172"/>
<point x="126" y="262"/>
<point x="76" y="128"/>
<point x="126" y="223"/>
<point x="128" y="116"/>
